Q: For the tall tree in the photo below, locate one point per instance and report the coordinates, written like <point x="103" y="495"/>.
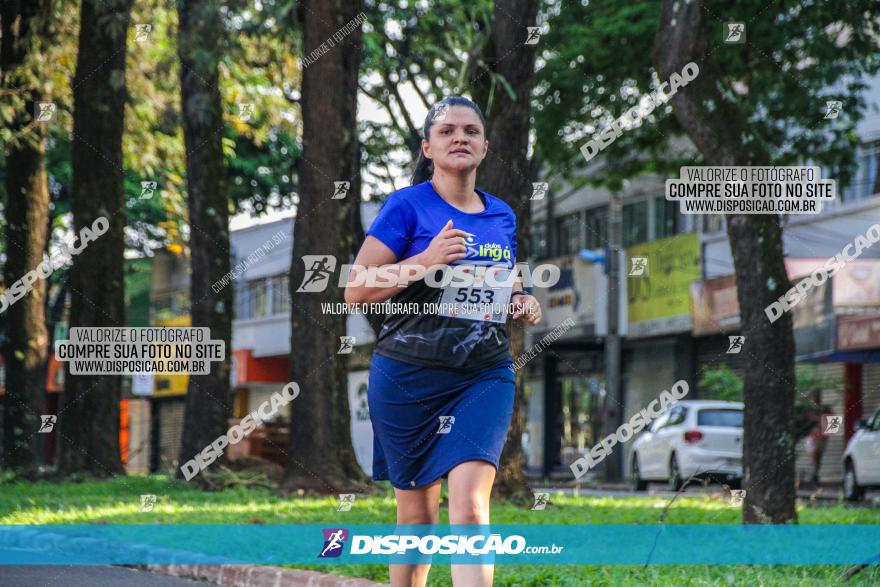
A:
<point x="505" y="173"/>
<point x="421" y="58"/>
<point x="96" y="277"/>
<point x="25" y="27"/>
<point x="321" y="457"/>
<point x="200" y="46"/>
<point x="794" y="57"/>
<point x="721" y="134"/>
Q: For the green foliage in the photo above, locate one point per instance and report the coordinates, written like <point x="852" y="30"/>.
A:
<point x="432" y="49"/>
<point x="721" y="383"/>
<point x="812" y="381"/>
<point x="258" y="67"/>
<point x="117" y="501"/>
<point x="598" y="64"/>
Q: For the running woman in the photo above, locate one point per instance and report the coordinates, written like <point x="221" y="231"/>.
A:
<point x="440" y="389"/>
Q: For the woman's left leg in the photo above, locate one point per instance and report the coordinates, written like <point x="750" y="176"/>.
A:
<point x="470" y="489"/>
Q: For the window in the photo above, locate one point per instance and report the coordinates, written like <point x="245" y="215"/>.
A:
<point x="635" y="223"/>
<point x="712" y="222"/>
<point x="865" y="181"/>
<point x="659" y="422"/>
<point x="568" y="232"/>
<point x="258" y="302"/>
<point x="677" y="415"/>
<point x="874" y="424"/>
<point x="539" y="240"/>
<point x="597" y="227"/>
<point x="241" y="299"/>
<point x="725" y="418"/>
<point x="280" y="294"/>
<point x="253" y="301"/>
<point x="666" y="218"/>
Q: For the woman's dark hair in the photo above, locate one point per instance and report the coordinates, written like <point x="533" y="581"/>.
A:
<point x="425" y="167"/>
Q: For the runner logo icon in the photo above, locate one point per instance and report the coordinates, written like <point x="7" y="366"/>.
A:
<point x="334" y="540"/>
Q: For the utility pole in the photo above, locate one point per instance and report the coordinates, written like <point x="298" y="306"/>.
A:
<point x="613" y="404"/>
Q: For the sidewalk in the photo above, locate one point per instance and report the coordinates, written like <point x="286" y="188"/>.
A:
<point x="257" y="576"/>
<point x="30" y="547"/>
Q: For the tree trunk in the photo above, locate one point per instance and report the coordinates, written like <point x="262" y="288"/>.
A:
<point x="27" y="211"/>
<point x="200" y="39"/>
<point x="89" y="420"/>
<point x="505" y="174"/>
<point x="756" y="244"/>
<point x="321" y="457"/>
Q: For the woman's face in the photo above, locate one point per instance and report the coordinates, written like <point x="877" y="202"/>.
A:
<point x="457" y="142"/>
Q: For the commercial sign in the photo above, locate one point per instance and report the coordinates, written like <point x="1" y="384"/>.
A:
<point x="715" y="310"/>
<point x="714" y="305"/>
<point x="659" y="297"/>
<point x="856" y="284"/>
<point x="573" y="296"/>
<point x="171" y="384"/>
<point x="857" y="333"/>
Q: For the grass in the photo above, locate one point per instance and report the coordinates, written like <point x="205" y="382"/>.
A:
<point x="117" y="501"/>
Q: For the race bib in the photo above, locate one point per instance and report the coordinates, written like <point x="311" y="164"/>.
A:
<point x="482" y="301"/>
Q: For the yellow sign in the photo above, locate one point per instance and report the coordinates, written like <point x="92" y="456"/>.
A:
<point x="166" y="384"/>
<point x="659" y="274"/>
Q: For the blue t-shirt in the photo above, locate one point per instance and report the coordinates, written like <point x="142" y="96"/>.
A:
<point x="407" y="223"/>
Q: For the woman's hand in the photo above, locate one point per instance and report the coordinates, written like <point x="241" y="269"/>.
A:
<point x="527" y="308"/>
<point x="446" y="247"/>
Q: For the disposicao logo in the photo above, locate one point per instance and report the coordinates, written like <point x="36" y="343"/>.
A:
<point x="334" y="540"/>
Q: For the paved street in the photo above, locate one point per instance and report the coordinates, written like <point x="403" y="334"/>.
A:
<point x="85" y="576"/>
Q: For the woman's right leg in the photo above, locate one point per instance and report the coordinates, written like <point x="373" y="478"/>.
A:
<point x="415" y="506"/>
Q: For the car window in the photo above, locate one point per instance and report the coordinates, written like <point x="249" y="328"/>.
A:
<point x="720" y="417"/>
<point x="875" y="421"/>
<point x="659" y="422"/>
<point x="677" y="415"/>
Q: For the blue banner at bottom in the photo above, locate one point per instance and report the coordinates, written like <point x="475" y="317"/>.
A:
<point x="441" y="544"/>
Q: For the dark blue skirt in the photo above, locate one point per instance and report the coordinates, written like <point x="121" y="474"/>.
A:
<point x="415" y="442"/>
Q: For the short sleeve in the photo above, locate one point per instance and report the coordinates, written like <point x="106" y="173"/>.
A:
<point x="395" y="225"/>
<point x="513" y="240"/>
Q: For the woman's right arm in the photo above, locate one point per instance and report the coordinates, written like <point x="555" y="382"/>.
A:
<point x="375" y="253"/>
<point x="446" y="247"/>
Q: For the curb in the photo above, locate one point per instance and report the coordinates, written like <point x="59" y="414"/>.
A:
<point x="219" y="574"/>
<point x="257" y="576"/>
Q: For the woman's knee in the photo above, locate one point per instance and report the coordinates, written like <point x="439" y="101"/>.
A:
<point x="426" y="515"/>
<point x="418" y="506"/>
<point x="470" y="489"/>
<point x="469" y="509"/>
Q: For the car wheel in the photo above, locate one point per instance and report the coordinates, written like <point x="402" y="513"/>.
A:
<point x="851" y="489"/>
<point x="675" y="480"/>
<point x="638" y="484"/>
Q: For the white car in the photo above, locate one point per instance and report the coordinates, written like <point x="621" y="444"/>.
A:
<point x="861" y="459"/>
<point x="693" y="437"/>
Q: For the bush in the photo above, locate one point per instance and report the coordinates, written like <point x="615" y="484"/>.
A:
<point x="721" y="383"/>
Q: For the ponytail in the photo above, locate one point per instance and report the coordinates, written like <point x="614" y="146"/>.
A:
<point x="424" y="167"/>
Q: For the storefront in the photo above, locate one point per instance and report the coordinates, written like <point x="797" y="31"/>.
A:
<point x="834" y="340"/>
<point x="565" y="382"/>
<point x="859" y="337"/>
